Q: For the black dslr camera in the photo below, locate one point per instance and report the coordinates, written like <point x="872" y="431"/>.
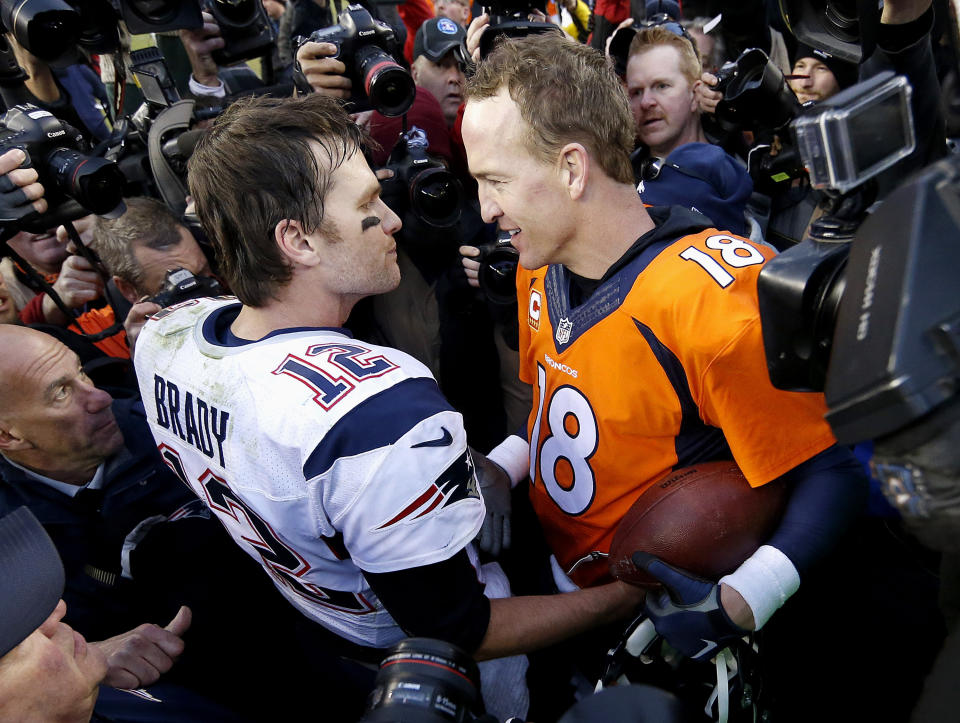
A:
<point x="510" y="19"/>
<point x="75" y="184"/>
<point x="181" y="285"/>
<point x="422" y="679"/>
<point x="498" y="270"/>
<point x="365" y="46"/>
<point x="245" y="27"/>
<point x="421" y="184"/>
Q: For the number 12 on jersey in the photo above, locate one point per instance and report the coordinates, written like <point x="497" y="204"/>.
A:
<point x="572" y="439"/>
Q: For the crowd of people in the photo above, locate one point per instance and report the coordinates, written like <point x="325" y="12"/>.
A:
<point x="211" y="502"/>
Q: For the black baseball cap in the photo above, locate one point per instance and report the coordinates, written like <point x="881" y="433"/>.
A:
<point x="32" y="577"/>
<point x="437" y="37"/>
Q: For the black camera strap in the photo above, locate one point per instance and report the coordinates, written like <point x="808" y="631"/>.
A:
<point x="38" y="281"/>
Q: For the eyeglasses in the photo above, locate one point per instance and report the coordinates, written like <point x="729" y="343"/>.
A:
<point x="662" y="20"/>
<point x="650" y="169"/>
<point x="621" y="40"/>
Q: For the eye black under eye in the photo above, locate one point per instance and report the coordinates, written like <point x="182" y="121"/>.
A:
<point x="369" y="222"/>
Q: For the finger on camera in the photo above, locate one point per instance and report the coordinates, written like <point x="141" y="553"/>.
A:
<point x="23" y="177"/>
<point x="11" y="159"/>
<point x="469" y="251"/>
<point x="315" y="51"/>
<point x="211" y="28"/>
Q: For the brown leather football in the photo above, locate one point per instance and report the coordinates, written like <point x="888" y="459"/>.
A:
<point x="704" y="519"/>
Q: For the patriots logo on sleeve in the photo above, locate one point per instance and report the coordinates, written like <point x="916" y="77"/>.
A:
<point x="458" y="482"/>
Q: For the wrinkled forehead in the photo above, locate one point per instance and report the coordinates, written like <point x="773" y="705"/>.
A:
<point x="31" y="362"/>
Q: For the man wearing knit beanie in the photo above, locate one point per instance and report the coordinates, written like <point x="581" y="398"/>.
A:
<point x="817" y="74"/>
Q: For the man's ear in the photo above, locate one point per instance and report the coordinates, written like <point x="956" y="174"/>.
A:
<point x="11" y="440"/>
<point x="295" y="243"/>
<point x="126" y="289"/>
<point x="695" y="90"/>
<point x="574" y="169"/>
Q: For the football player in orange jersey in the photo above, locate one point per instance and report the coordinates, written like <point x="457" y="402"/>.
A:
<point x="640" y="332"/>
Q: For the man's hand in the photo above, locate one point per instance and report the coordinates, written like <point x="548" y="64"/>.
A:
<point x="477" y="26"/>
<point x="77" y="284"/>
<point x="138" y="658"/>
<point x="495" y="487"/>
<point x="470" y="267"/>
<point x="689" y="613"/>
<point x="898" y="12"/>
<point x="20" y="193"/>
<point x="200" y="44"/>
<point x="84" y="228"/>
<point x="274" y="8"/>
<point x="136" y="318"/>
<point x="323" y="73"/>
<point x="707" y="97"/>
<point x="623" y="24"/>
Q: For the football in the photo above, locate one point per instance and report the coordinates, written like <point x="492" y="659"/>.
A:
<point x="704" y="519"/>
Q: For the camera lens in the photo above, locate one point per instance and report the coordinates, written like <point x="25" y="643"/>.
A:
<point x="435" y="196"/>
<point x="422" y="680"/>
<point x="94" y="183"/>
<point x="498" y="272"/>
<point x="389" y="87"/>
<point x="238" y="12"/>
<point x="47" y="28"/>
<point x="158" y="12"/>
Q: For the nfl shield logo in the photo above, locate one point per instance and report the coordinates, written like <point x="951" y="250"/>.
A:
<point x="564" y="327"/>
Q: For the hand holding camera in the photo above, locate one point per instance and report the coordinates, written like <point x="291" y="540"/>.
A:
<point x="362" y="47"/>
<point x="20" y="192"/>
<point x="200" y="45"/>
<point x="323" y="71"/>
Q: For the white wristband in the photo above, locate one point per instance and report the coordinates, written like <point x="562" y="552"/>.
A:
<point x="513" y="455"/>
<point x="765" y="580"/>
<point x="215" y="91"/>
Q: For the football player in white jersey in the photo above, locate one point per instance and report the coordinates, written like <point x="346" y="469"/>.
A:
<point x="336" y="464"/>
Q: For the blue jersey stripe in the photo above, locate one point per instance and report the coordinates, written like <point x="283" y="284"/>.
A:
<point x="377" y="422"/>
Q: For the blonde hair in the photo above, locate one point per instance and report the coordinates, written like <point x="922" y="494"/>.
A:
<point x="567" y="93"/>
<point x="655" y="36"/>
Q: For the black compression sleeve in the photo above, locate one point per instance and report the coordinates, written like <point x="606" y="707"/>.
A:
<point x="828" y="491"/>
<point x="444" y="600"/>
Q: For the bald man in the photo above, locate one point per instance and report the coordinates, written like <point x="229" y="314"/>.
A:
<point x="63" y="455"/>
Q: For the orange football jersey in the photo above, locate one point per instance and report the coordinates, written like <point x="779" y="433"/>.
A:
<point x="662" y="367"/>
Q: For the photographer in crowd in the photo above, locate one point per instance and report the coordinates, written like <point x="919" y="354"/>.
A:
<point x="139" y="249"/>
<point x="674" y="164"/>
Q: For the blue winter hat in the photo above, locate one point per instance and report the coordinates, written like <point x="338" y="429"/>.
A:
<point x="702" y="177"/>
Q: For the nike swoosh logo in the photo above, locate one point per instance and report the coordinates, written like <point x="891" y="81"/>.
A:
<point x="444" y="441"/>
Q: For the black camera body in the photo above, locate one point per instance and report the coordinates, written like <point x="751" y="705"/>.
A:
<point x="366" y="47"/>
<point x="247" y="31"/>
<point x="510" y="19"/>
<point x="421" y="184"/>
<point x="181" y="285"/>
<point x="498" y="270"/>
<point x="55" y="150"/>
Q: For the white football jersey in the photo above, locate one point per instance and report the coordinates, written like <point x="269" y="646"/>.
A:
<point x="322" y="455"/>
